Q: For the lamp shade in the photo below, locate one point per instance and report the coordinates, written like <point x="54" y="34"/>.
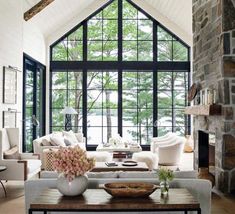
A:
<point x="69" y="110"/>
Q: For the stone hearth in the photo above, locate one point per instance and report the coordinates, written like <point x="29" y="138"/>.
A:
<point x="214" y="68"/>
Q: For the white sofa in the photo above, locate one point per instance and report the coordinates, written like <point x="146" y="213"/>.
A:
<point x="38" y="148"/>
<point x="200" y="189"/>
<point x="26" y="166"/>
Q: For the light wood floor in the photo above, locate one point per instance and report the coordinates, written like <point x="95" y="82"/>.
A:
<point x="14" y="203"/>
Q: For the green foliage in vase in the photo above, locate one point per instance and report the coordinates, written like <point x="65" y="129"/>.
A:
<point x="165" y="174"/>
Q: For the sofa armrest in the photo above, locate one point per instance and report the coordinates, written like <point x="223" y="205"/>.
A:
<point x="16" y="169"/>
<point x="29" y="156"/>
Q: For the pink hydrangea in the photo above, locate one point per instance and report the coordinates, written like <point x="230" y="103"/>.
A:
<point x="72" y="162"/>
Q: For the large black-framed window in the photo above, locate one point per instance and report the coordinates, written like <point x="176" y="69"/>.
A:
<point x="120" y="65"/>
<point x="33" y="117"/>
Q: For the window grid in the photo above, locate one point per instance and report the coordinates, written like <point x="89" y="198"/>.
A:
<point x="155" y="39"/>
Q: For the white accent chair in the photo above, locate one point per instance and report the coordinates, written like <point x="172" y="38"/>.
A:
<point x="23" y="168"/>
<point x="169" y="137"/>
<point x="170" y="152"/>
<point x="166" y="150"/>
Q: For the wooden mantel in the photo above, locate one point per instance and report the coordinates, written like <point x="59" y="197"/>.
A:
<point x="205" y="110"/>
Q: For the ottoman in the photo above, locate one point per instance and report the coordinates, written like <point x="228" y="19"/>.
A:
<point x="147" y="157"/>
<point x="100" y="156"/>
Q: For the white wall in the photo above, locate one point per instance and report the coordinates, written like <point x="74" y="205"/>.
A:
<point x="16" y="37"/>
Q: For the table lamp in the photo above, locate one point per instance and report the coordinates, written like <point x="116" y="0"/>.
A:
<point x="68" y="111"/>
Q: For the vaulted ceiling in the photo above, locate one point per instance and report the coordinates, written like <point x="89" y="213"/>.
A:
<point x="175" y="15"/>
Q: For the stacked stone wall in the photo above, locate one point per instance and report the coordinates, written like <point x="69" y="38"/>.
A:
<point x="214" y="68"/>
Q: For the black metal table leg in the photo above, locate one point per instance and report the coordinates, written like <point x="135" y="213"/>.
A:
<point x="3" y="188"/>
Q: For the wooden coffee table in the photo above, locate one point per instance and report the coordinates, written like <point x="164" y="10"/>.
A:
<point x="102" y="167"/>
<point x="97" y="200"/>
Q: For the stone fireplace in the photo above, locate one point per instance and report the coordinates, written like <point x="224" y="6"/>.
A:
<point x="214" y="68"/>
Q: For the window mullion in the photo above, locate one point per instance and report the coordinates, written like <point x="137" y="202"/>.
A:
<point x="120" y="31"/>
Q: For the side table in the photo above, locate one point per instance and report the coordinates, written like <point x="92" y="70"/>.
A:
<point x="3" y="168"/>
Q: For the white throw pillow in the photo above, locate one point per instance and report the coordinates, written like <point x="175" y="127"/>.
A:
<point x="79" y="137"/>
<point x="57" y="140"/>
<point x="46" y="142"/>
<point x="70" y="138"/>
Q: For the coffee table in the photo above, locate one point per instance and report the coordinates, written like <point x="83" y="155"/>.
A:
<point x="3" y="168"/>
<point x="97" y="200"/>
<point x="102" y="167"/>
<point x="130" y="149"/>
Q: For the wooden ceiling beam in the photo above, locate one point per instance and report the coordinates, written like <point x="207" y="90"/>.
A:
<point x="36" y="9"/>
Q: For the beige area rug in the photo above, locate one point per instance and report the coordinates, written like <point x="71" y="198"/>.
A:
<point x="14" y="202"/>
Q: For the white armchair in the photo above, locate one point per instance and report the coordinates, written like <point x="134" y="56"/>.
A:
<point x="169" y="138"/>
<point x="23" y="168"/>
<point x="170" y="153"/>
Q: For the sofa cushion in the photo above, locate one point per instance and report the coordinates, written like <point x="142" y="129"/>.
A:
<point x="79" y="137"/>
<point x="154" y="174"/>
<point x="53" y="174"/>
<point x="12" y="153"/>
<point x="57" y="140"/>
<point x="150" y="174"/>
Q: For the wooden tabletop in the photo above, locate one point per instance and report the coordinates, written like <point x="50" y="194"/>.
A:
<point x="102" y="167"/>
<point x="96" y="199"/>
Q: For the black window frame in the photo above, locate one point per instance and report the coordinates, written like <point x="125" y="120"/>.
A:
<point x="120" y="66"/>
<point x="35" y="65"/>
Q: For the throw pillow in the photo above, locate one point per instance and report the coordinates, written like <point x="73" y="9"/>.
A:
<point x="67" y="142"/>
<point x="12" y="153"/>
<point x="46" y="142"/>
<point x="70" y="138"/>
<point x="57" y="140"/>
<point x="79" y="137"/>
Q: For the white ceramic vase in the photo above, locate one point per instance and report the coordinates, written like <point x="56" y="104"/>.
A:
<point x="72" y="188"/>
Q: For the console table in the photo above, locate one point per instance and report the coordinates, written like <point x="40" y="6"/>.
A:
<point x="119" y="152"/>
<point x="97" y="200"/>
<point x="131" y="149"/>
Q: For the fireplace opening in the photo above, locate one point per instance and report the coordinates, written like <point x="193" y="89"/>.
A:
<point x="206" y="150"/>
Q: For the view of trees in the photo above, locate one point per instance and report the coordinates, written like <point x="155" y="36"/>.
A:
<point x="137" y="85"/>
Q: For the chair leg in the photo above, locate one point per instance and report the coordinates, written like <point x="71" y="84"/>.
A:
<point x="3" y="188"/>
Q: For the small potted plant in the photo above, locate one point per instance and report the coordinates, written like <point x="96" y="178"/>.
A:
<point x="165" y="175"/>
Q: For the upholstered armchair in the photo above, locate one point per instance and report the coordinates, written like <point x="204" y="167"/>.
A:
<point x="169" y="138"/>
<point x="170" y="153"/>
<point x="23" y="165"/>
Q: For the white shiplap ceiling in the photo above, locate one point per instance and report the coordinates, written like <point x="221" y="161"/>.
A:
<point x="174" y="14"/>
<point x="177" y="11"/>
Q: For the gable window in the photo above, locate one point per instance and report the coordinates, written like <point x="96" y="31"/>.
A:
<point x="122" y="71"/>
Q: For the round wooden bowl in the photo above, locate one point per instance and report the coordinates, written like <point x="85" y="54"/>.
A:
<point x="130" y="190"/>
